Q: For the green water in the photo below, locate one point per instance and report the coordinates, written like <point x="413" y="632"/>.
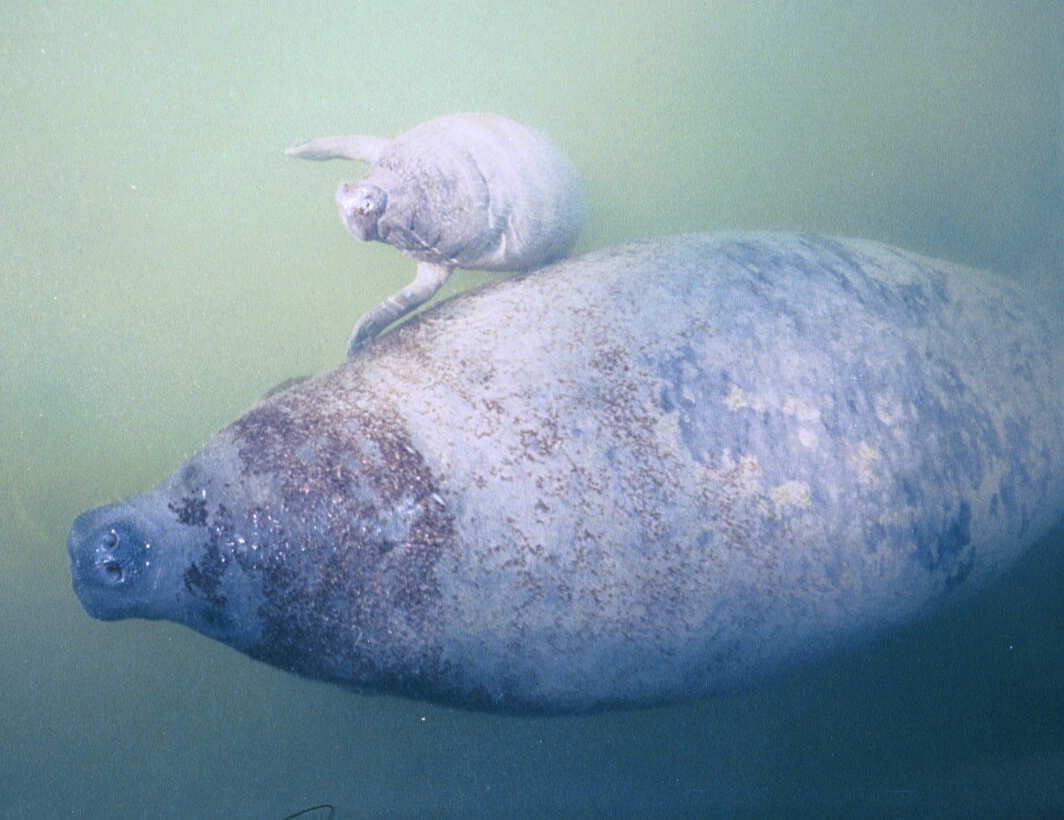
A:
<point x="162" y="263"/>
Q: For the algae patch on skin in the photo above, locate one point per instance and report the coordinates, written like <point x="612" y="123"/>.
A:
<point x="791" y="495"/>
<point x="739" y="399"/>
<point x="864" y="462"/>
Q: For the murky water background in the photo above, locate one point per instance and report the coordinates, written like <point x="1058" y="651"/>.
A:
<point x="161" y="264"/>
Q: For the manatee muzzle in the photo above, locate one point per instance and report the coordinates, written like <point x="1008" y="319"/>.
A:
<point x="111" y="562"/>
<point x="361" y="207"/>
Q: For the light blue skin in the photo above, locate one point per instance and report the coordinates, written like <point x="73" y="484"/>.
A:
<point x="649" y="474"/>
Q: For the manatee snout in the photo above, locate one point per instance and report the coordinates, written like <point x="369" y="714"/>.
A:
<point x="110" y="550"/>
<point x="361" y="207"/>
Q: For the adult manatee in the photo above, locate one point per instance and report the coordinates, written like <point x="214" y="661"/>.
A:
<point x="648" y="474"/>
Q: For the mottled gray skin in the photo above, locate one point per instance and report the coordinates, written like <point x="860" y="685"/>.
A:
<point x="474" y="191"/>
<point x="648" y="474"/>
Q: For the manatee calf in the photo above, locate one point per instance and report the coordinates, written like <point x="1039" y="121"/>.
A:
<point x="475" y="191"/>
<point x="651" y="473"/>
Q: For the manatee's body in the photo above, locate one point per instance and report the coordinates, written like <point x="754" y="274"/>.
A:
<point x="475" y="191"/>
<point x="647" y="474"/>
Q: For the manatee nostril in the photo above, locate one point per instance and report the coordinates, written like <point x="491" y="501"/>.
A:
<point x="114" y="556"/>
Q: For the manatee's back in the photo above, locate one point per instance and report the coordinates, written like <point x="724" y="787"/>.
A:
<point x="680" y="466"/>
<point x="489" y="193"/>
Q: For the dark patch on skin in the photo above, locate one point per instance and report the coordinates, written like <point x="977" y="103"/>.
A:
<point x="943" y="548"/>
<point x="686" y="389"/>
<point x="542" y="440"/>
<point x="817" y="259"/>
<point x="203" y="580"/>
<point x="353" y="531"/>
<point x="264" y="429"/>
<point x="190" y="511"/>
<point x="204" y="583"/>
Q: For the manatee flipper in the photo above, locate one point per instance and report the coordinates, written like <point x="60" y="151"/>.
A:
<point x="359" y="147"/>
<point x="429" y="279"/>
<point x="280" y="387"/>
